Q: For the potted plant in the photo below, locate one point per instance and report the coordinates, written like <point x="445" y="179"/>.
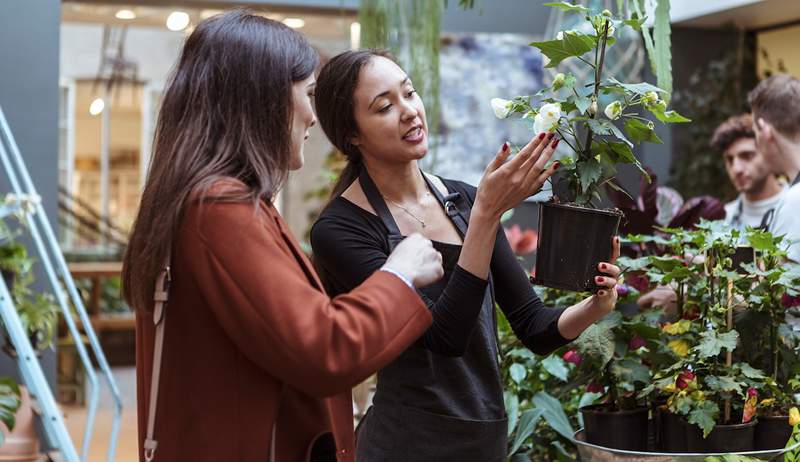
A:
<point x="774" y="345"/>
<point x="574" y="234"/>
<point x="616" y="352"/>
<point x="716" y="395"/>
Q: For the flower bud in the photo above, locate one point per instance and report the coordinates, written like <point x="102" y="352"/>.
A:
<point x="558" y="81"/>
<point x="683" y="380"/>
<point x="636" y="343"/>
<point x="573" y="357"/>
<point x="614" y="110"/>
<point x="606" y="13"/>
<point x="501" y="107"/>
<point x="794" y="416"/>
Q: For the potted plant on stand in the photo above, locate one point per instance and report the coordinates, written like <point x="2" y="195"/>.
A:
<point x="574" y="235"/>
<point x="38" y="313"/>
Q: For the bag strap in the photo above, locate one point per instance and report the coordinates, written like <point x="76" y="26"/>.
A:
<point x="160" y="297"/>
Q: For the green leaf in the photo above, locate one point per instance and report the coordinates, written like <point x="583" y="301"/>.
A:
<point x="750" y="372"/>
<point x="667" y="116"/>
<point x="639" y="131"/>
<point x="568" y="7"/>
<point x="711" y="343"/>
<point x="556" y="367"/>
<point x="704" y="415"/>
<point x="573" y="44"/>
<point x="723" y="383"/>
<point x="637" y="88"/>
<point x="600" y="126"/>
<point x="761" y="240"/>
<point x="581" y="102"/>
<point x="527" y="424"/>
<point x="511" y="402"/>
<point x="629" y="370"/>
<point x="648" y="40"/>
<point x="517" y="372"/>
<point x="663" y="47"/>
<point x="589" y="172"/>
<point x="597" y="341"/>
<point x="553" y="413"/>
<point x="635" y="21"/>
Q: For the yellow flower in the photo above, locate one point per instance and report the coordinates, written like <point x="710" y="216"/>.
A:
<point x="679" y="347"/>
<point x="767" y="402"/>
<point x="680" y="327"/>
<point x="794" y="416"/>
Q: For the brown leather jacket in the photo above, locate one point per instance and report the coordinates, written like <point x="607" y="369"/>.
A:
<point x="252" y="341"/>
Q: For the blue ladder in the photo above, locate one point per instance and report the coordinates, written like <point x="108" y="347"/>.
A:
<point x="57" y="272"/>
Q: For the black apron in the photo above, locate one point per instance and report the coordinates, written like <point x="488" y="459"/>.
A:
<point x="418" y="412"/>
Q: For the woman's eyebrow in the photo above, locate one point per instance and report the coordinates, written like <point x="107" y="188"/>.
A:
<point x="402" y="82"/>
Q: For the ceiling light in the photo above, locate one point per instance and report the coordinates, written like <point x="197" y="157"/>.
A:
<point x="125" y="14"/>
<point x="177" y="21"/>
<point x="355" y="35"/>
<point x="97" y="106"/>
<point x="294" y="23"/>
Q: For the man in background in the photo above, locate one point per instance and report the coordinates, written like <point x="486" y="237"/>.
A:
<point x="775" y="103"/>
<point x="759" y="189"/>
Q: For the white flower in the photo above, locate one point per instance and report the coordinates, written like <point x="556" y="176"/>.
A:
<point x="560" y="35"/>
<point x="547" y="118"/>
<point x="613" y="110"/>
<point x="592" y="110"/>
<point x="501" y="107"/>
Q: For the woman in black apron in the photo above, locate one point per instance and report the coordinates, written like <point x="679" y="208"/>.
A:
<point x="442" y="399"/>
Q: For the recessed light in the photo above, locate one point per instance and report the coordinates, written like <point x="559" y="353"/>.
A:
<point x="125" y="14"/>
<point x="294" y="23"/>
<point x="177" y="21"/>
<point x="97" y="106"/>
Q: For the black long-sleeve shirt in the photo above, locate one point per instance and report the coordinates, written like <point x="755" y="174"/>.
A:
<point x="351" y="243"/>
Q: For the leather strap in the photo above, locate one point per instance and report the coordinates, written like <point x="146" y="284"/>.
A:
<point x="160" y="297"/>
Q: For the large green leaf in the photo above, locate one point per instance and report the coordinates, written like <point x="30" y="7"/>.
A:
<point x="568" y="7"/>
<point x="572" y="44"/>
<point x="648" y="40"/>
<point x="556" y="367"/>
<point x="723" y="383"/>
<point x="750" y="372"/>
<point x="637" y="88"/>
<point x="712" y="343"/>
<point x="589" y="172"/>
<point x="511" y="402"/>
<point x="527" y="423"/>
<point x="553" y="413"/>
<point x="639" y="131"/>
<point x="663" y="47"/>
<point x="704" y="415"/>
<point x="629" y="370"/>
<point x="517" y="372"/>
<point x="9" y="403"/>
<point x="597" y="341"/>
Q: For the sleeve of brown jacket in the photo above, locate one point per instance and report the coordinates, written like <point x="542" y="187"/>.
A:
<point x="265" y="302"/>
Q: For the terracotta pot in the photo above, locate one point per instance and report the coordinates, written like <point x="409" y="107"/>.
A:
<point x="22" y="444"/>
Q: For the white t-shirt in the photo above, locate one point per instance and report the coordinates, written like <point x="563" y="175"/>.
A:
<point x="787" y="221"/>
<point x="742" y="212"/>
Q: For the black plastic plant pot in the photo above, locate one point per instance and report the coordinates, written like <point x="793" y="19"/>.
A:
<point x="573" y="240"/>
<point x="723" y="438"/>
<point x="772" y="432"/>
<point x="671" y="432"/>
<point x="741" y="256"/>
<point x="616" y="429"/>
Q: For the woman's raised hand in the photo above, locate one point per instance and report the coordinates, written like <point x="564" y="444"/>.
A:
<point x="507" y="183"/>
<point x="606" y="297"/>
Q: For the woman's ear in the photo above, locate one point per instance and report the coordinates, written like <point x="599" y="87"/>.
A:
<point x="355" y="140"/>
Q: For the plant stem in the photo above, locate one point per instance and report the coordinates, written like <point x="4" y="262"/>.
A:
<point x="598" y="71"/>
<point x="564" y="138"/>
<point x="587" y="62"/>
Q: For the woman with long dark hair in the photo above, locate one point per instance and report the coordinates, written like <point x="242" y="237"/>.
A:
<point x="241" y="355"/>
<point x="442" y="399"/>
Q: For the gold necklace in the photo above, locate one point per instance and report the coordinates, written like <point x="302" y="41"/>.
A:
<point x="420" y="220"/>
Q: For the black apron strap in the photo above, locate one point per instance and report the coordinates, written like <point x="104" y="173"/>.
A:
<point x="375" y="199"/>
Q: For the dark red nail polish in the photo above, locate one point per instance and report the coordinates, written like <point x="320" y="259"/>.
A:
<point x="541" y="135"/>
<point x="555" y="143"/>
<point x="550" y="136"/>
<point x="556" y="164"/>
<point x="602" y="293"/>
<point x="598" y="279"/>
<point x="505" y="146"/>
<point x="602" y="266"/>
